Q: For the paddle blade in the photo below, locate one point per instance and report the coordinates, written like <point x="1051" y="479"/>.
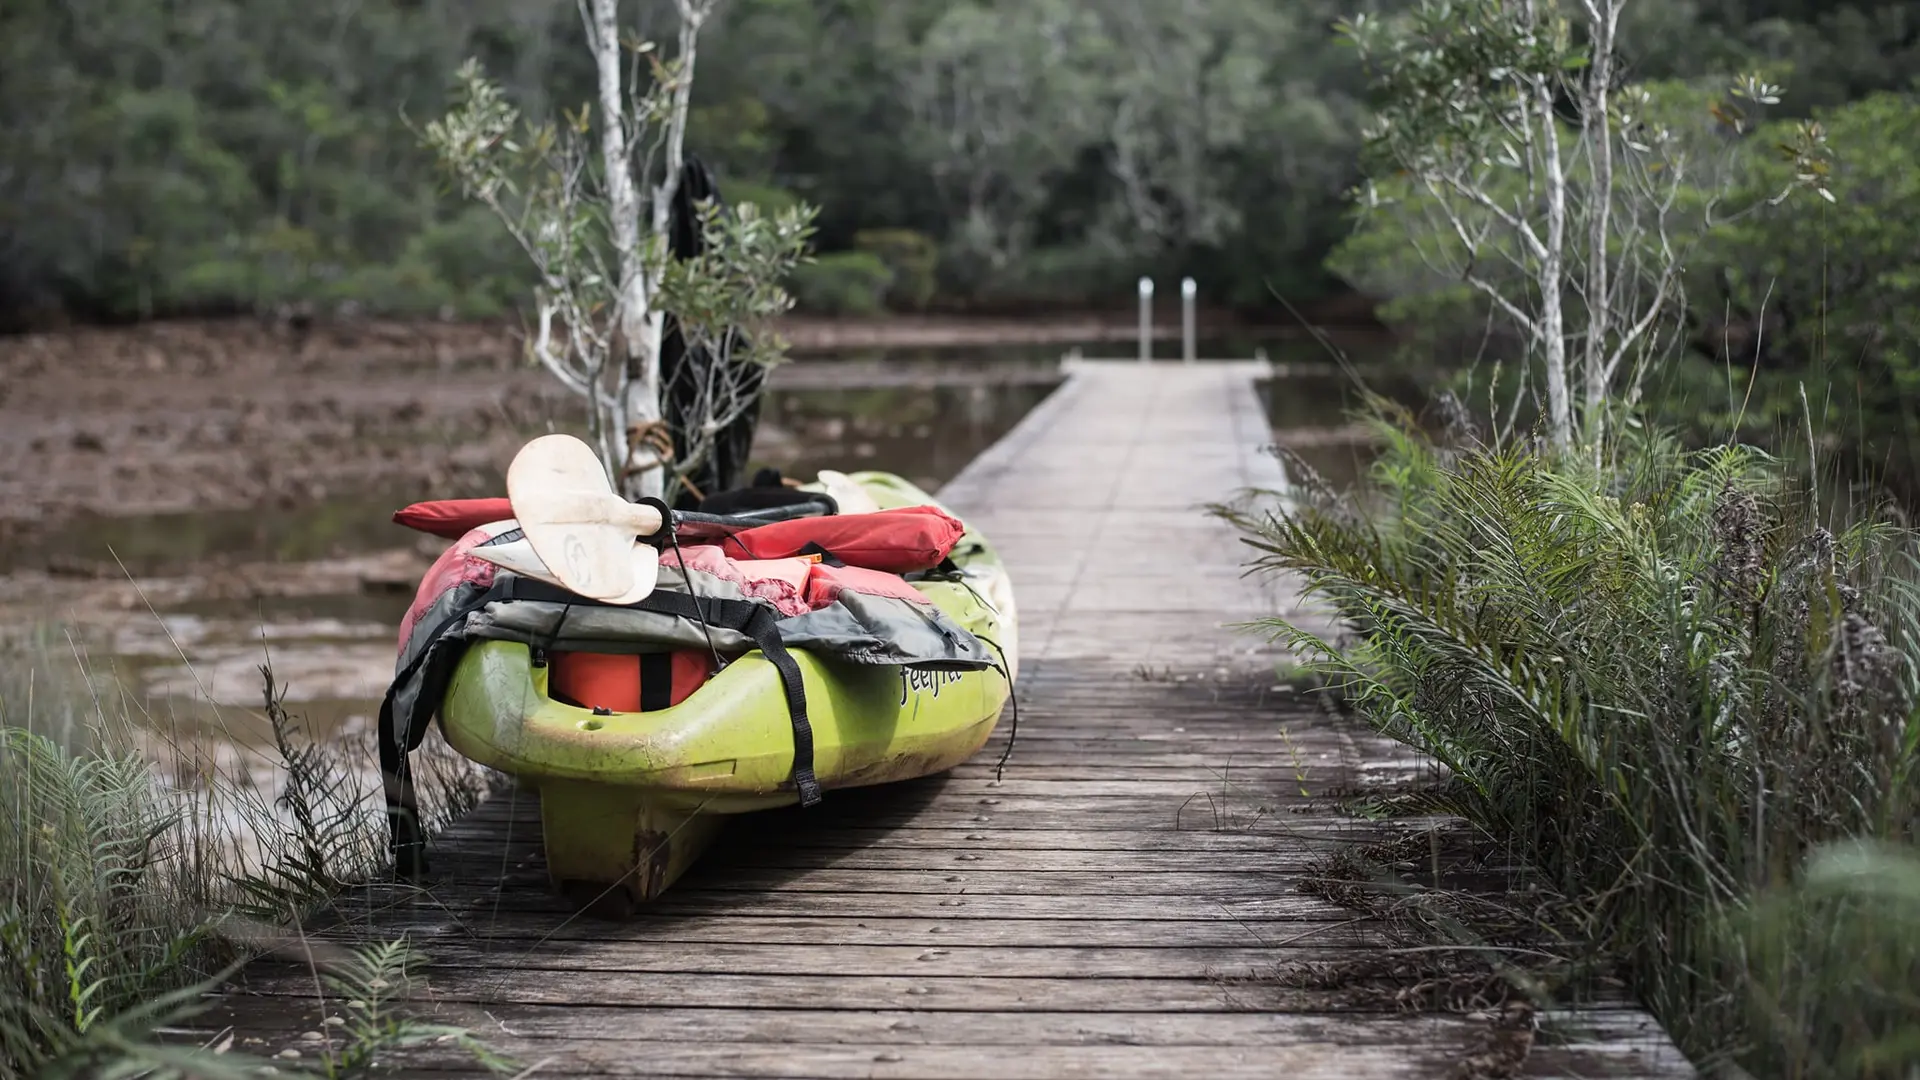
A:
<point x="574" y="521"/>
<point x="646" y="574"/>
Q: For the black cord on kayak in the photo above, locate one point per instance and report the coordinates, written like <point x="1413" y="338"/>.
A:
<point x="1013" y="696"/>
<point x="1013" y="705"/>
<point x="669" y="521"/>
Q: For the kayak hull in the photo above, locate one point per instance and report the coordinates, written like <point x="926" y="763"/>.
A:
<point x="630" y="800"/>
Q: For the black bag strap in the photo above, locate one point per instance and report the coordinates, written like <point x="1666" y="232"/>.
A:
<point x="407" y="838"/>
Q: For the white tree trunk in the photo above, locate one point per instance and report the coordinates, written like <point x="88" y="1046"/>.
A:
<point x="637" y="359"/>
<point x="1551" y="330"/>
<point x="643" y="474"/>
<point x="646" y="475"/>
<point x="1604" y="17"/>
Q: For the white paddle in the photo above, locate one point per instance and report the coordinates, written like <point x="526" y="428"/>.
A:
<point x="518" y="556"/>
<point x="577" y="526"/>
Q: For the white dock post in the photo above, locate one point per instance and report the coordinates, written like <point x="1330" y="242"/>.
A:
<point x="1187" y="346"/>
<point x="1146" y="319"/>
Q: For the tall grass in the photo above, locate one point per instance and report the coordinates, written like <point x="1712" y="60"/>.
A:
<point x="133" y="881"/>
<point x="1684" y="701"/>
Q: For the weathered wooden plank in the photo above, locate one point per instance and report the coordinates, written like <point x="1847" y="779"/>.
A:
<point x="1084" y="759"/>
<point x="986" y="857"/>
<point x="859" y="1027"/>
<point x="1017" y="790"/>
<point x="519" y="927"/>
<point x="1347" y="1055"/>
<point x="1280" y="785"/>
<point x="1064" y="809"/>
<point x="858" y="809"/>
<point x="1208" y="723"/>
<point x="842" y="958"/>
<point x="827" y="990"/>
<point x="1016" y="883"/>
<point x="1198" y="816"/>
<point x="765" y="837"/>
<point x="1042" y="762"/>
<point x="919" y="886"/>
<point x="479" y="904"/>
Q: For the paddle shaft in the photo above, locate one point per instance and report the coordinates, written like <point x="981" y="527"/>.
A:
<point x="749" y="518"/>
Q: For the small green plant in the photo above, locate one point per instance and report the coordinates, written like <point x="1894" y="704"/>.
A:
<point x="370" y="985"/>
<point x="1299" y="764"/>
<point x="591" y="201"/>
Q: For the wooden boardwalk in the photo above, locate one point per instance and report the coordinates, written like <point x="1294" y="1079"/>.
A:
<point x="1127" y="901"/>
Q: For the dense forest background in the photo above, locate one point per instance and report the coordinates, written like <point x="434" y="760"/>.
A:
<point x="195" y="156"/>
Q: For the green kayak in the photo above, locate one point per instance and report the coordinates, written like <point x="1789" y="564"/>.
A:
<point x="629" y="800"/>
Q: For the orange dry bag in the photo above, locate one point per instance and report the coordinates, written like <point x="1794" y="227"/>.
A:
<point x="627" y="683"/>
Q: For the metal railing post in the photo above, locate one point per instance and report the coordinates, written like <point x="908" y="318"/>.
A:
<point x="1187" y="346"/>
<point x="1146" y="319"/>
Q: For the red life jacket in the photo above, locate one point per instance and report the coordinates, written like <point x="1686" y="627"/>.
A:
<point x="450" y="519"/>
<point x="898" y="541"/>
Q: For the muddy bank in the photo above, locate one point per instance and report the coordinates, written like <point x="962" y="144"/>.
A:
<point x="243" y="413"/>
<point x="192" y="416"/>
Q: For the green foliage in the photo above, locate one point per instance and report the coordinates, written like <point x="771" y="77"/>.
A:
<point x="912" y="258"/>
<point x="738" y="281"/>
<point x="1405" y="251"/>
<point x="1060" y="275"/>
<point x="188" y="157"/>
<point x="1452" y="79"/>
<point x="1570" y="235"/>
<point x="88" y="925"/>
<point x="597" y="238"/>
<point x="1830" y="286"/>
<point x="1833" y="52"/>
<point x="1854" y="913"/>
<point x="842" y="283"/>
<point x="1657" y="675"/>
<point x="770" y="199"/>
<point x="739" y="132"/>
<point x="164" y="158"/>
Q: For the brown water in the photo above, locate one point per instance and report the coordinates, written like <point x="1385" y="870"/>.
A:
<point x="1314" y="416"/>
<point x="343" y="573"/>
